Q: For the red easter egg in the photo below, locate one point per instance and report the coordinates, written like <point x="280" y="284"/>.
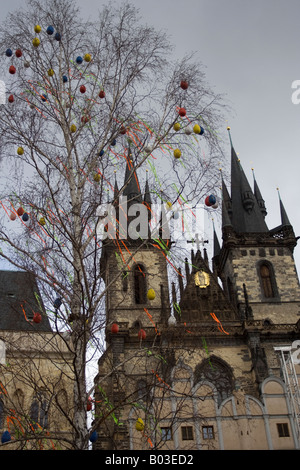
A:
<point x="184" y="84"/>
<point x="142" y="334"/>
<point x="12" y="216"/>
<point x="101" y="94"/>
<point x="207" y="203"/>
<point x="82" y="89"/>
<point x="37" y="318"/>
<point x="114" y="328"/>
<point x="20" y="211"/>
<point x="89" y="405"/>
<point x="182" y="112"/>
<point x="18" y="53"/>
<point x="11" y="99"/>
<point x="12" y="69"/>
<point x="123" y="130"/>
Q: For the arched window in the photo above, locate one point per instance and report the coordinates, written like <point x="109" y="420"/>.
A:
<point x="139" y="284"/>
<point x="217" y="372"/>
<point x="39" y="411"/>
<point x="267" y="280"/>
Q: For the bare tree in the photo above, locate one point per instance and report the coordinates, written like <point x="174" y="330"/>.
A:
<point x="79" y="95"/>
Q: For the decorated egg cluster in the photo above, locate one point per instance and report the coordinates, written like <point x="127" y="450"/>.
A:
<point x="197" y="129"/>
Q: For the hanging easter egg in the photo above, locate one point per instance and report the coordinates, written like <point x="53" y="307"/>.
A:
<point x="142" y="334"/>
<point x="12" y="216"/>
<point x="26" y="64"/>
<point x="57" y="302"/>
<point x="57" y="37"/>
<point x="197" y="129"/>
<point x="50" y="30"/>
<point x="139" y="425"/>
<point x="123" y="130"/>
<point x="94" y="436"/>
<point x="182" y="112"/>
<point x="50" y="72"/>
<point x="101" y="94"/>
<point x="20" y="151"/>
<point x="177" y="153"/>
<point x="44" y="98"/>
<point x="85" y="119"/>
<point x="11" y="99"/>
<point x="113" y="143"/>
<point x="36" y="42"/>
<point x="20" y="211"/>
<point x="6" y="437"/>
<point x="151" y="294"/>
<point x="89" y="404"/>
<point x="8" y="52"/>
<point x="169" y="204"/>
<point x="97" y="177"/>
<point x="207" y="203"/>
<point x="82" y="89"/>
<point x="184" y="84"/>
<point x="18" y="53"/>
<point x="176" y="127"/>
<point x="215" y="206"/>
<point x="176" y="215"/>
<point x="212" y="199"/>
<point x="37" y="28"/>
<point x="201" y="130"/>
<point x="25" y="217"/>
<point x="73" y="128"/>
<point x="79" y="60"/>
<point x="114" y="328"/>
<point x="37" y="317"/>
<point x="87" y="57"/>
<point x="187" y="131"/>
<point x="65" y="78"/>
<point x="42" y="221"/>
<point x="101" y="153"/>
<point x="12" y="70"/>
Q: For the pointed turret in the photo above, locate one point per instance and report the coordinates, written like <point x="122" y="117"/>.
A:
<point x="259" y="198"/>
<point x="284" y="218"/>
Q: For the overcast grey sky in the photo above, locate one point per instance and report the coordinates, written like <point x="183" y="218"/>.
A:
<point x="251" y="53"/>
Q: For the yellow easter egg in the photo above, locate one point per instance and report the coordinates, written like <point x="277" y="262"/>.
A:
<point x="37" y="28"/>
<point x="50" y="72"/>
<point x="176" y="126"/>
<point x="139" y="425"/>
<point x="73" y="128"/>
<point x="151" y="294"/>
<point x="20" y="151"/>
<point x="177" y="153"/>
<point x="36" y="42"/>
<point x="197" y="129"/>
<point x="87" y="57"/>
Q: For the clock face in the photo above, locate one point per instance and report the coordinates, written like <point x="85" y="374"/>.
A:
<point x="202" y="279"/>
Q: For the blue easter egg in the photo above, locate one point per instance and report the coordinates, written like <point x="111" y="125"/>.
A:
<point x="57" y="36"/>
<point x="65" y="78"/>
<point x="114" y="142"/>
<point x="201" y="130"/>
<point x="44" y="97"/>
<point x="25" y="217"/>
<point x="8" y="52"/>
<point x="6" y="437"/>
<point x="212" y="199"/>
<point x="79" y="60"/>
<point x="50" y="30"/>
<point x="101" y="153"/>
<point x="94" y="436"/>
<point x="57" y="302"/>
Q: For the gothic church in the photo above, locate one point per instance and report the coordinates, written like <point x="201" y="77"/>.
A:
<point x="219" y="371"/>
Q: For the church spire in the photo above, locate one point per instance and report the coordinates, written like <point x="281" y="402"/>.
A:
<point x="246" y="214"/>
<point x="132" y="188"/>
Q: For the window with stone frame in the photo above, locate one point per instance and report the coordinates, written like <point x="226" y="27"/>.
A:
<point x="267" y="280"/>
<point x="139" y="274"/>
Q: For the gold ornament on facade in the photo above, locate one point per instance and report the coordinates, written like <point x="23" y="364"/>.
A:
<point x="202" y="279"/>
